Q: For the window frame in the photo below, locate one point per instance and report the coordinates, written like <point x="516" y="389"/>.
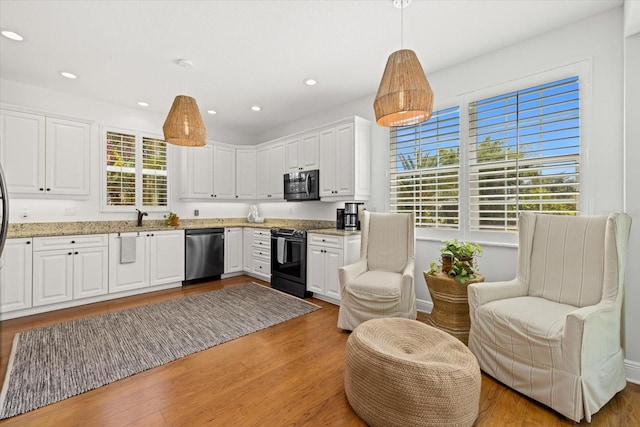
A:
<point x="580" y="69"/>
<point x="139" y="135"/>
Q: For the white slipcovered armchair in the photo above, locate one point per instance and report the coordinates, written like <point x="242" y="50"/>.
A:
<point x="381" y="283"/>
<point x="553" y="332"/>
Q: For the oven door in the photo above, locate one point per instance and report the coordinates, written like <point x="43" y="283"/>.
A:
<point x="289" y="258"/>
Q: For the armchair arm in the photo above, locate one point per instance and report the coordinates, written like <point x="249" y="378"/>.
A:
<point x="407" y="274"/>
<point x="349" y="272"/>
<point x="484" y="292"/>
<point x="592" y="334"/>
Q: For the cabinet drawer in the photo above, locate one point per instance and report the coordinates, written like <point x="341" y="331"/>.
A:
<point x="326" y="240"/>
<point x="259" y="253"/>
<point x="65" y="242"/>
<point x="262" y="243"/>
<point x="261" y="266"/>
<point x="262" y="232"/>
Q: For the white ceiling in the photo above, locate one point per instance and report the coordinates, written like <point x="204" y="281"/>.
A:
<point x="255" y="52"/>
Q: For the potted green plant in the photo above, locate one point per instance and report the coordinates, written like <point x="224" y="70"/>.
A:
<point x="458" y="260"/>
<point x="172" y="219"/>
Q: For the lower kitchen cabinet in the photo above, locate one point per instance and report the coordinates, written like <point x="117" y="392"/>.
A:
<point x="159" y="259"/>
<point x="325" y="255"/>
<point x="233" y="250"/>
<point x="69" y="267"/>
<point x="16" y="275"/>
<point x="257" y="253"/>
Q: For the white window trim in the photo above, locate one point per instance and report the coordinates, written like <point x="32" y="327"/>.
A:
<point x="103" y="172"/>
<point x="583" y="70"/>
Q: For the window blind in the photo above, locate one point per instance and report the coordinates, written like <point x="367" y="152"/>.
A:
<point x="425" y="169"/>
<point x="524" y="154"/>
<point x="121" y="169"/>
<point x="154" y="172"/>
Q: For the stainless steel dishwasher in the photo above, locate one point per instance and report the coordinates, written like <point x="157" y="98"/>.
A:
<point x="204" y="254"/>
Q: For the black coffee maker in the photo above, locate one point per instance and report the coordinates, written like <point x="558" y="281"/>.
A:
<point x="340" y="219"/>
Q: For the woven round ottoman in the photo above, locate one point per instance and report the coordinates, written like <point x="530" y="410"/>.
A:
<point x="401" y="372"/>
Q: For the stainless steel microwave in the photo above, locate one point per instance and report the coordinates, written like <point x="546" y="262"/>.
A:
<point x="300" y="186"/>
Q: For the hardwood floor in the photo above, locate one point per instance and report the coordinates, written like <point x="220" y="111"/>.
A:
<point x="289" y="374"/>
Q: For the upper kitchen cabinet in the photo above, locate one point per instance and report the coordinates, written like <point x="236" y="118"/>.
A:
<point x="270" y="171"/>
<point x="345" y="161"/>
<point x="208" y="172"/>
<point x="45" y="155"/>
<point x="303" y="152"/>
<point x="246" y="175"/>
<point x="224" y="173"/>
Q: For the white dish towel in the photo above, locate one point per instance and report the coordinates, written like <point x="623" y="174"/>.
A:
<point x="127" y="249"/>
<point x="282" y="250"/>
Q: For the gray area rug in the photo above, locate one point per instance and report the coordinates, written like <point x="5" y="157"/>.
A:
<point x="55" y="362"/>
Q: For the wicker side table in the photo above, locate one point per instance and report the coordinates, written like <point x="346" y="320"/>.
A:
<point x="450" y="304"/>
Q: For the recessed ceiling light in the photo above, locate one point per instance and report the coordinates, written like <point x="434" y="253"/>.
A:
<point x="256" y="108"/>
<point x="68" y="75"/>
<point x="212" y="112"/>
<point x="310" y="82"/>
<point x="143" y="104"/>
<point x="13" y="36"/>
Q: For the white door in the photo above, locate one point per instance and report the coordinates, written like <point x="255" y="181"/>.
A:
<point x="134" y="275"/>
<point x="327" y="162"/>
<point x="333" y="260"/>
<point x="67" y="157"/>
<point x="293" y="150"/>
<point x="233" y="249"/>
<point x="52" y="276"/>
<point x="91" y="271"/>
<point x="197" y="172"/>
<point x="224" y="173"/>
<point x="315" y="269"/>
<point x="310" y="155"/>
<point x="16" y="275"/>
<point x="246" y="174"/>
<point x="277" y="166"/>
<point x="247" y="249"/>
<point x="263" y="170"/>
<point x="166" y="257"/>
<point x="22" y="152"/>
<point x="345" y="163"/>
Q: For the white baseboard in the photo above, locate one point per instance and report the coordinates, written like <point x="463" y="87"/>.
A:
<point x="633" y="371"/>
<point x="424" y="306"/>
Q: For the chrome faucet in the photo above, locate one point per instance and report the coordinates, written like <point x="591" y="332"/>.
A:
<point x="140" y="215"/>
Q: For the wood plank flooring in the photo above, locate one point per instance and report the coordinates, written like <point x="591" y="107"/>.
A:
<point x="289" y="374"/>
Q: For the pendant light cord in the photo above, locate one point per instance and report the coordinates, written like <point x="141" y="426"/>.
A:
<point x="401" y="24"/>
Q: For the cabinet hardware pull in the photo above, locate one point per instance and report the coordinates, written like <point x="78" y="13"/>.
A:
<point x="73" y="241"/>
<point x="76" y="253"/>
<point x="48" y="189"/>
<point x="42" y="189"/>
<point x="69" y="253"/>
<point x="28" y="243"/>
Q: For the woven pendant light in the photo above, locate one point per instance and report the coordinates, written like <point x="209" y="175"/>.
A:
<point x="184" y="125"/>
<point x="404" y="96"/>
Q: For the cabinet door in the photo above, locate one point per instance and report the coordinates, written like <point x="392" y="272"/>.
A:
<point x="232" y="250"/>
<point x="90" y="272"/>
<point x="315" y="269"/>
<point x="333" y="260"/>
<point x="134" y="275"/>
<point x="166" y="257"/>
<point x="67" y="157"/>
<point x="263" y="157"/>
<point x="197" y="172"/>
<point x="16" y="275"/>
<point x="293" y="148"/>
<point x="52" y="276"/>
<point x="22" y="142"/>
<point x="327" y="162"/>
<point x="276" y="173"/>
<point x="344" y="160"/>
<point x="246" y="177"/>
<point x="224" y="173"/>
<point x="247" y="249"/>
<point x="310" y="153"/>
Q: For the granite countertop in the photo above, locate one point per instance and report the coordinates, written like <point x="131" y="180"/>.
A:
<point x="334" y="232"/>
<point x="44" y="229"/>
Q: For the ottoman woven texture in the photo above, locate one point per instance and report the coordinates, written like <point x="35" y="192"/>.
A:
<point x="401" y="372"/>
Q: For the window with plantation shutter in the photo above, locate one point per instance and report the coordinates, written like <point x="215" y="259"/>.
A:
<point x="135" y="173"/>
<point x="524" y="155"/>
<point x="425" y="170"/>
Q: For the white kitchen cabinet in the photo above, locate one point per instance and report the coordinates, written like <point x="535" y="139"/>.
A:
<point x="159" y="260"/>
<point x="196" y="170"/>
<point x="257" y="253"/>
<point x="69" y="267"/>
<point x="303" y="152"/>
<point x="345" y="161"/>
<point x="270" y="171"/>
<point x="325" y="255"/>
<point x="16" y="275"/>
<point x="233" y="250"/>
<point x="247" y="249"/>
<point x="224" y="173"/>
<point x="246" y="178"/>
<point x="45" y="155"/>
